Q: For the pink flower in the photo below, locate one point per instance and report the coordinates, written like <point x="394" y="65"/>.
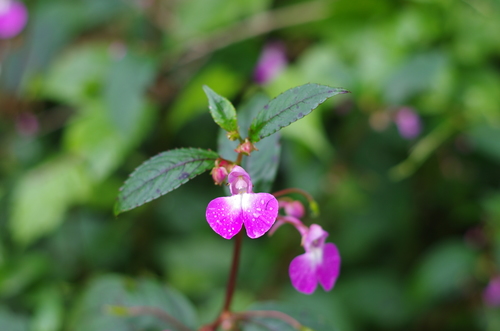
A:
<point x="258" y="211"/>
<point x="320" y="263"/>
<point x="491" y="294"/>
<point x="408" y="123"/>
<point x="13" y="18"/>
<point x="271" y="62"/>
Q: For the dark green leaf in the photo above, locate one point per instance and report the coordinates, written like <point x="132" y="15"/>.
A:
<point x="114" y="293"/>
<point x="222" y="110"/>
<point x="289" y="107"/>
<point x="307" y="318"/>
<point x="162" y="174"/>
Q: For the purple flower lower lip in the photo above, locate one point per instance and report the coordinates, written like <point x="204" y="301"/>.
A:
<point x="271" y="63"/>
<point x="13" y="18"/>
<point x="257" y="211"/>
<point x="408" y="123"/>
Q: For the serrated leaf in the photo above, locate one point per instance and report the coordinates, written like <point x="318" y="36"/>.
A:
<point x="162" y="174"/>
<point x="222" y="110"/>
<point x="289" y="107"/>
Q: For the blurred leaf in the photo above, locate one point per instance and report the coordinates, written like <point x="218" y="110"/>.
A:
<point x="124" y="90"/>
<point x="289" y="107"/>
<point x="91" y="311"/>
<point x="415" y="75"/>
<point x="162" y="174"/>
<point x="49" y="311"/>
<point x="486" y="139"/>
<point x="12" y="322"/>
<point x="77" y="74"/>
<point x="298" y="312"/>
<point x="222" y="110"/>
<point x="443" y="271"/>
<point x="43" y="195"/>
<point x="94" y="138"/>
<point x="18" y="274"/>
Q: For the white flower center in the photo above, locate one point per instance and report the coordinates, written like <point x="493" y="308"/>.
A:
<point x="4" y="6"/>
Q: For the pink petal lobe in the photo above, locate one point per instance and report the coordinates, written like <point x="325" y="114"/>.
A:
<point x="224" y="216"/>
<point x="259" y="213"/>
<point x="302" y="273"/>
<point x="328" y="270"/>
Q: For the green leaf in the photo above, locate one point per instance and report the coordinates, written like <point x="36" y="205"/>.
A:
<point x="289" y="107"/>
<point x="11" y="321"/>
<point x="162" y="174"/>
<point x="222" y="110"/>
<point x="43" y="195"/>
<point x="105" y="304"/>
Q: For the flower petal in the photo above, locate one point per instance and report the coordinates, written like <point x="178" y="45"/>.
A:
<point x="302" y="273"/>
<point x="259" y="213"/>
<point x="328" y="270"/>
<point x="224" y="216"/>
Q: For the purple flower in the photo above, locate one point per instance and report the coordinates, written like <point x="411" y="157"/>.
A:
<point x="320" y="263"/>
<point x="491" y="294"/>
<point x="271" y="62"/>
<point x="13" y="18"/>
<point x="408" y="123"/>
<point x="258" y="211"/>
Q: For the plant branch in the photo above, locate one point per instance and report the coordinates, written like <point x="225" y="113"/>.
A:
<point x="271" y="314"/>
<point x="253" y="26"/>
<point x="159" y="313"/>
<point x="231" y="284"/>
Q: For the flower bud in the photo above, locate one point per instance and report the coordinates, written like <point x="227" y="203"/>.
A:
<point x="219" y="175"/>
<point x="246" y="148"/>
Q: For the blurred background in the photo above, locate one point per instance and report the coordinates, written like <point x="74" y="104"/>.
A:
<point x="405" y="168"/>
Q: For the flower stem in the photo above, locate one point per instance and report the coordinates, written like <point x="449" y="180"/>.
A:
<point x="231" y="284"/>
<point x="313" y="205"/>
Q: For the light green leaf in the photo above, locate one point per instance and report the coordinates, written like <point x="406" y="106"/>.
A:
<point x="289" y="107"/>
<point x="222" y="110"/>
<point x="162" y="174"/>
<point x="42" y="197"/>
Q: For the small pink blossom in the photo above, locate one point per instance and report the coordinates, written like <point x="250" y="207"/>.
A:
<point x="319" y="264"/>
<point x="408" y="123"/>
<point x="13" y="18"/>
<point x="293" y="208"/>
<point x="271" y="62"/>
<point x="491" y="294"/>
<point x="257" y="211"/>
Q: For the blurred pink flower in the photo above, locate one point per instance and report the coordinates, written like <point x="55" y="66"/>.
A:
<point x="13" y="18"/>
<point x="271" y="62"/>
<point x="320" y="263"/>
<point x="27" y="124"/>
<point x="491" y="294"/>
<point x="408" y="123"/>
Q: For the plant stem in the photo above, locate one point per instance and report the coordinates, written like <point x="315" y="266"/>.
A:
<point x="231" y="284"/>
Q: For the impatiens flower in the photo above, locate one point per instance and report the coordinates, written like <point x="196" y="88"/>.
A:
<point x="292" y="208"/>
<point x="271" y="63"/>
<point x="491" y="294"/>
<point x="320" y="263"/>
<point x="257" y="211"/>
<point x="408" y="123"/>
<point x="13" y="18"/>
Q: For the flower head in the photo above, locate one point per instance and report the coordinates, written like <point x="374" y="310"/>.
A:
<point x="408" y="123"/>
<point x="257" y="211"/>
<point x="319" y="264"/>
<point x="491" y="294"/>
<point x="271" y="63"/>
<point x="13" y="18"/>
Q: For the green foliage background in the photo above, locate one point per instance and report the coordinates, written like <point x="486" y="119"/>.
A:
<point x="113" y="82"/>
